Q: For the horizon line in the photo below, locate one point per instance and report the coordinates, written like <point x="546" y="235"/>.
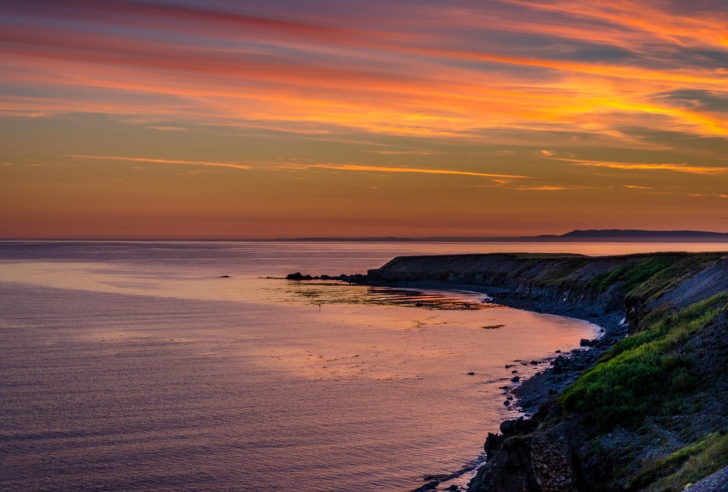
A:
<point x="660" y="236"/>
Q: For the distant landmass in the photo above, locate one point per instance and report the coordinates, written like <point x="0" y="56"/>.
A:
<point x="641" y="234"/>
<point x="635" y="235"/>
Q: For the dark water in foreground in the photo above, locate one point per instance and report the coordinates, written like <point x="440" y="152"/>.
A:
<point x="134" y="366"/>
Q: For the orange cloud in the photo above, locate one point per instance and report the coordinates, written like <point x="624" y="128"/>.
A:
<point x="168" y="128"/>
<point x="403" y="152"/>
<point x="379" y="169"/>
<point x="700" y="28"/>
<point x="550" y="188"/>
<point x="321" y="75"/>
<point x="161" y="161"/>
<point x="680" y="168"/>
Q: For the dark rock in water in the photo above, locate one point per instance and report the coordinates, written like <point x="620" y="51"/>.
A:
<point x="493" y="327"/>
<point x="585" y="343"/>
<point x="515" y="379"/>
<point x="471" y="374"/>
<point x="507" y="403"/>
<point x="534" y="362"/>
<point x="558" y="351"/>
<point x="508" y="366"/>
<point x="224" y="276"/>
<point x="298" y="276"/>
<point x="418" y="304"/>
<point x="514" y="371"/>
<point x="493" y="443"/>
<point x="427" y="486"/>
<point x="504" y="387"/>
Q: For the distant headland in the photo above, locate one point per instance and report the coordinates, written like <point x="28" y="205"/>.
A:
<point x="632" y="234"/>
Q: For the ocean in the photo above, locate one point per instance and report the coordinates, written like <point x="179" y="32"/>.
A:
<point x="196" y="366"/>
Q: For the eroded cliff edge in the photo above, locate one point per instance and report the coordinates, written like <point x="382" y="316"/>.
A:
<point x="651" y="412"/>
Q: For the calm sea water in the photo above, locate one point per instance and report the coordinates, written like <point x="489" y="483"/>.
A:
<point x="135" y="366"/>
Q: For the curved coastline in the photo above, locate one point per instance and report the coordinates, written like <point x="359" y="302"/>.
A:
<point x="662" y="424"/>
<point x="561" y="369"/>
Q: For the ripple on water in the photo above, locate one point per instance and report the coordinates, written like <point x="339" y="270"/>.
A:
<point x="110" y="383"/>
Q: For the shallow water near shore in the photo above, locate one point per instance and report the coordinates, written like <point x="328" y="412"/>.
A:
<point x="137" y="366"/>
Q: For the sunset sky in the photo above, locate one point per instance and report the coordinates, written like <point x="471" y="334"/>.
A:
<point x="228" y="119"/>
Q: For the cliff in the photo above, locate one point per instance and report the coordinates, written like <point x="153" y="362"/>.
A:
<point x="650" y="411"/>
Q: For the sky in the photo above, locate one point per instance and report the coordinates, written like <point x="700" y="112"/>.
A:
<point x="238" y="119"/>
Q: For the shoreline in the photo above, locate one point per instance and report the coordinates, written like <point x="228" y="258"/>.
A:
<point x="648" y="410"/>
<point x="543" y="387"/>
<point x="525" y="398"/>
<point x="562" y="369"/>
<point x="532" y="392"/>
<point x="628" y="413"/>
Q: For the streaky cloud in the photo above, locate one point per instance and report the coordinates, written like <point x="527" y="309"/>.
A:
<point x="551" y="188"/>
<point x="382" y="169"/>
<point x="680" y="168"/>
<point x="150" y="160"/>
<point x="403" y="152"/>
<point x="312" y="70"/>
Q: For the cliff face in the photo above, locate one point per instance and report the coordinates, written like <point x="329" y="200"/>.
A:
<point x="652" y="412"/>
<point x="632" y="285"/>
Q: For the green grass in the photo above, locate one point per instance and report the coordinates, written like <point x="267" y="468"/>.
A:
<point x="645" y="270"/>
<point x="633" y="274"/>
<point x="605" y="280"/>
<point x="684" y="466"/>
<point x="559" y="272"/>
<point x="672" y="327"/>
<point x="639" y="376"/>
<point x="647" y="278"/>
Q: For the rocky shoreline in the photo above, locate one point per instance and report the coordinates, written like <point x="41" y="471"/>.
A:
<point x="646" y="412"/>
<point x="562" y="369"/>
